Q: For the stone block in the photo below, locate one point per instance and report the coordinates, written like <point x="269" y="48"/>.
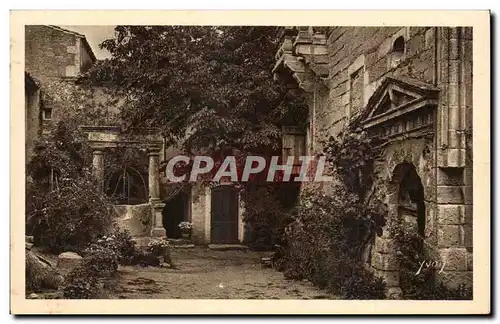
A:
<point x="468" y="195"/>
<point x="71" y="49"/>
<point x="467" y="235"/>
<point x="449" y="195"/>
<point x="468" y="176"/>
<point x="384" y="48"/>
<point x="450" y="214"/>
<point x="468" y="214"/>
<point x="454" y="259"/>
<point x="415" y="44"/>
<point x="71" y="71"/>
<point x="67" y="261"/>
<point x="470" y="261"/>
<point x="384" y="245"/>
<point x="455" y="156"/>
<point x="429" y="38"/>
<point x="394" y="293"/>
<point x="453" y="279"/>
<point x="387" y="262"/>
<point x="449" y="236"/>
<point x="158" y="232"/>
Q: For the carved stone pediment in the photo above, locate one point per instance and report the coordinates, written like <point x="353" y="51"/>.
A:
<point x="400" y="101"/>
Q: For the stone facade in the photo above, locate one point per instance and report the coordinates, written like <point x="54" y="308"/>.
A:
<point x="54" y="57"/>
<point x="32" y="113"/>
<point x="412" y="86"/>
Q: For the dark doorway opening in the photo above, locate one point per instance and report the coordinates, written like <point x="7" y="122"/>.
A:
<point x="224" y="215"/>
<point x="411" y="200"/>
<point x="174" y="212"/>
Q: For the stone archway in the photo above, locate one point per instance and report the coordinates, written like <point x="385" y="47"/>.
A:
<point x="405" y="202"/>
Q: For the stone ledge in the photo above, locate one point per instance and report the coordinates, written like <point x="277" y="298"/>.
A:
<point x="227" y="247"/>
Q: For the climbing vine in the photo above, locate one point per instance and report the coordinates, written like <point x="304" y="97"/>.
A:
<point x="325" y="240"/>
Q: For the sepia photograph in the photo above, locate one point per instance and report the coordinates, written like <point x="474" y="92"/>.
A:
<point x="316" y="163"/>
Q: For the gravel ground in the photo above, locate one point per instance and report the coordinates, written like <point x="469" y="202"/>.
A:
<point x="206" y="274"/>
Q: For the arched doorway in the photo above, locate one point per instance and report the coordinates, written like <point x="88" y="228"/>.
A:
<point x="224" y="215"/>
<point x="406" y="207"/>
<point x="176" y="210"/>
<point x="411" y="206"/>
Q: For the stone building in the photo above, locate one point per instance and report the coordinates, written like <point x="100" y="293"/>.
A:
<point x="54" y="58"/>
<point x="412" y="86"/>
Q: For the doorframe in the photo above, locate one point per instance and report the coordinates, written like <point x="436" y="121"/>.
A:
<point x="208" y="214"/>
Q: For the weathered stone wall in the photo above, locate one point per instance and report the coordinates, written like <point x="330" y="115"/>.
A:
<point x="54" y="58"/>
<point x="50" y="52"/>
<point x="200" y="213"/>
<point x="33" y="117"/>
<point x="359" y="58"/>
<point x="87" y="105"/>
<point x="135" y="218"/>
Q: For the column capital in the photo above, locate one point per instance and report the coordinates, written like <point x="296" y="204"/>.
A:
<point x="152" y="151"/>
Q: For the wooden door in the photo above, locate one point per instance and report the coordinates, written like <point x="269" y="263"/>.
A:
<point x="224" y="215"/>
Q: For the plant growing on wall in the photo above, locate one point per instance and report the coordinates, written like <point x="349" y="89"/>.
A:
<point x="326" y="239"/>
<point x="66" y="209"/>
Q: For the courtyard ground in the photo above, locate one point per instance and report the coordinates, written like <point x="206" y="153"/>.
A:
<point x="206" y="274"/>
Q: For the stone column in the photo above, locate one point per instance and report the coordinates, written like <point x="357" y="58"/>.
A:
<point x="98" y="166"/>
<point x="154" y="193"/>
<point x="154" y="175"/>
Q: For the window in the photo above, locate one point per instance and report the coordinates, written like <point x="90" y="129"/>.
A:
<point x="47" y="113"/>
<point x="399" y="45"/>
<point x="398" y="51"/>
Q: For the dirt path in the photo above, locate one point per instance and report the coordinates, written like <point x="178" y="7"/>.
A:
<point x="210" y="274"/>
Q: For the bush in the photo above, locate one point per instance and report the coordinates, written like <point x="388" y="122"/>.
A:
<point x="72" y="216"/>
<point x="100" y="261"/>
<point x="66" y="207"/>
<point x="267" y="213"/>
<point x="324" y="244"/>
<point x="412" y="251"/>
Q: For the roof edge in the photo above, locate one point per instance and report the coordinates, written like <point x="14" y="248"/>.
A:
<point x="81" y="36"/>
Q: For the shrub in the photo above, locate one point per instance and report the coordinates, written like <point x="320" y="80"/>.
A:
<point x="100" y="261"/>
<point x="66" y="207"/>
<point x="327" y="237"/>
<point x="72" y="216"/>
<point x="324" y="244"/>
<point x="267" y="214"/>
<point x="412" y="251"/>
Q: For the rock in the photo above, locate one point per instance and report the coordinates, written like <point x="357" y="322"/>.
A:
<point x="28" y="246"/>
<point x="266" y="262"/>
<point x="33" y="296"/>
<point x="30" y="239"/>
<point x="68" y="260"/>
<point x="40" y="273"/>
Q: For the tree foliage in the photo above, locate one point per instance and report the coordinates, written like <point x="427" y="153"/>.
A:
<point x="211" y="87"/>
<point x="65" y="207"/>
